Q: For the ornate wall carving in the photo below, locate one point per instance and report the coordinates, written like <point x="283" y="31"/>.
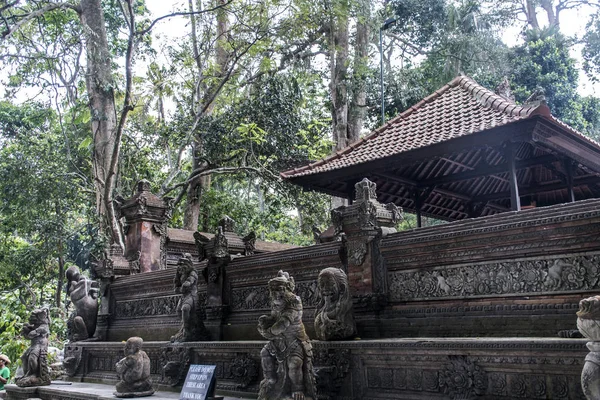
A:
<point x="165" y="305"/>
<point x="574" y="273"/>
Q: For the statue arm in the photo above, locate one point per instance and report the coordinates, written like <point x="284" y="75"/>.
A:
<point x="280" y="325"/>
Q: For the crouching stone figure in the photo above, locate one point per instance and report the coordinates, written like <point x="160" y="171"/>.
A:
<point x="134" y="371"/>
<point x="287" y="358"/>
<point x="34" y="360"/>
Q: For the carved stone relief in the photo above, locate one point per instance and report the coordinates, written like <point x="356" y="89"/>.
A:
<point x="525" y="276"/>
<point x="174" y="364"/>
<point x="166" y="305"/>
<point x="244" y="370"/>
<point x="462" y="379"/>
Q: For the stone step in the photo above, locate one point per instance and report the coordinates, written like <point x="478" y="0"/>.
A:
<point x="82" y="391"/>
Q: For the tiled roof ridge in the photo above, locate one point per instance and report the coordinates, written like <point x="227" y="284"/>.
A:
<point x="488" y="98"/>
<point x="377" y="131"/>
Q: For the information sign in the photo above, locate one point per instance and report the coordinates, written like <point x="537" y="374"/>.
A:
<point x="199" y="383"/>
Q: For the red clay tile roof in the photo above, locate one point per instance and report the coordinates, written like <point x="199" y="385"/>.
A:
<point x="460" y="108"/>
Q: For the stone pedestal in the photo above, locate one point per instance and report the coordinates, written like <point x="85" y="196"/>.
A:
<point x="364" y="223"/>
<point x="146" y="216"/>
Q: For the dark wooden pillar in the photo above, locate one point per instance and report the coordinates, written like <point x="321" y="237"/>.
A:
<point x="418" y="206"/>
<point x="515" y="200"/>
<point x="568" y="164"/>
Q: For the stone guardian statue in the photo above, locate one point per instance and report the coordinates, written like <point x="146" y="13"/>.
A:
<point x="334" y="319"/>
<point x="287" y="357"/>
<point x="34" y="360"/>
<point x="588" y="323"/>
<point x="84" y="296"/>
<point x="134" y="371"/>
<point x="186" y="283"/>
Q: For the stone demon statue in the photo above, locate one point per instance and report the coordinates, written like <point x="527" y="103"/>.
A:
<point x="287" y="358"/>
<point x="186" y="283"/>
<point x="134" y="371"/>
<point x="34" y="362"/>
<point x="84" y="296"/>
<point x="334" y="319"/>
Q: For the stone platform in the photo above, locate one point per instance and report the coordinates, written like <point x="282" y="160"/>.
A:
<point x="383" y="369"/>
<point x="81" y="391"/>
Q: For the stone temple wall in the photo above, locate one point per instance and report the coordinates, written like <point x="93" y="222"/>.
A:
<point x="513" y="274"/>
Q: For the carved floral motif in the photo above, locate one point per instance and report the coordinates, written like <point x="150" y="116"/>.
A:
<point x="244" y="370"/>
<point x="526" y="276"/>
<point x="462" y="378"/>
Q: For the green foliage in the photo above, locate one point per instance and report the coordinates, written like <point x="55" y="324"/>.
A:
<point x="591" y="49"/>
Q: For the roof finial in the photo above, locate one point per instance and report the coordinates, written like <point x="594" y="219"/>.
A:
<point x="503" y="90"/>
<point x="537" y="97"/>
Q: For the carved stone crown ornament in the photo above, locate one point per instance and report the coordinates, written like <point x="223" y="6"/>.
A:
<point x="225" y="242"/>
<point x="366" y="216"/>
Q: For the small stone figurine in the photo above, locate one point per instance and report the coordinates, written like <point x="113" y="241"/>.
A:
<point x="287" y="358"/>
<point x="334" y="319"/>
<point x="588" y="323"/>
<point x="134" y="371"/>
<point x="35" y="364"/>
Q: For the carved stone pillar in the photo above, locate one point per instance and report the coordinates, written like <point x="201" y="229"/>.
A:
<point x="146" y="217"/>
<point x="364" y="223"/>
<point x="588" y="323"/>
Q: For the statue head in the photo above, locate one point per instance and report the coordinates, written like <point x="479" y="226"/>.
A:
<point x="185" y="264"/>
<point x="72" y="274"/>
<point x="281" y="290"/>
<point x="332" y="284"/>
<point x="133" y="345"/>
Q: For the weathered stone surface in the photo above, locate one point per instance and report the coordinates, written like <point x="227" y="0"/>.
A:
<point x="34" y="360"/>
<point x="186" y="284"/>
<point x="334" y="319"/>
<point x="588" y="323"/>
<point x="84" y="296"/>
<point x="134" y="371"/>
<point x="287" y="357"/>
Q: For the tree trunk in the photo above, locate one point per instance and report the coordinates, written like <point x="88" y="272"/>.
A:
<point x="531" y="15"/>
<point x="358" y="106"/>
<point x="339" y="71"/>
<point x="100" y="88"/>
<point x="198" y="186"/>
<point x="549" y="9"/>
<point x="61" y="276"/>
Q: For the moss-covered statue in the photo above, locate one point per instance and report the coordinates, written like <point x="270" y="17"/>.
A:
<point x="84" y="296"/>
<point x="134" y="371"/>
<point x="34" y="361"/>
<point x="334" y="319"/>
<point x="287" y="358"/>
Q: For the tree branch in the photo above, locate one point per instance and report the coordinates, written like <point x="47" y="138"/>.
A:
<point x="34" y="14"/>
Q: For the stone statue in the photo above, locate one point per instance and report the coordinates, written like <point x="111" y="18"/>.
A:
<point x="133" y="371"/>
<point x="84" y="296"/>
<point x="186" y="283"/>
<point x="34" y="361"/>
<point x="588" y="323"/>
<point x="287" y="358"/>
<point x="334" y="319"/>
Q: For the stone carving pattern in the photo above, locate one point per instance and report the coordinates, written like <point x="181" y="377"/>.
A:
<point x="357" y="251"/>
<point x="161" y="230"/>
<point x="244" y="370"/>
<point x="174" y="363"/>
<point x="365" y="190"/>
<point x="257" y="298"/>
<point x="461" y="378"/>
<point x="331" y="368"/>
<point x="166" y="305"/>
<point x="527" y="276"/>
<point x="134" y="263"/>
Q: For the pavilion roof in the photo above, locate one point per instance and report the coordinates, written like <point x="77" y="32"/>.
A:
<point x="455" y="124"/>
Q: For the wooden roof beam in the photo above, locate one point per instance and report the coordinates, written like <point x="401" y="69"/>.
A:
<point x="526" y="191"/>
<point x="487" y="171"/>
<point x="413" y="184"/>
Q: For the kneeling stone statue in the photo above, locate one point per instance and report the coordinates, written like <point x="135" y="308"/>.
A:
<point x="287" y="358"/>
<point x="134" y="371"/>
